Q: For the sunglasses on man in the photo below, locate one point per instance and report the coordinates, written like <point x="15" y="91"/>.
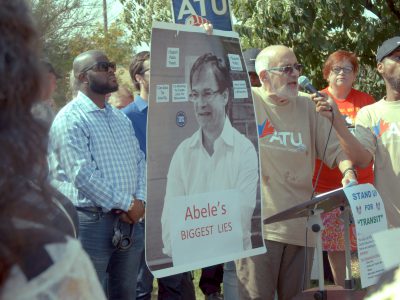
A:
<point x="287" y="69"/>
<point x="101" y="66"/>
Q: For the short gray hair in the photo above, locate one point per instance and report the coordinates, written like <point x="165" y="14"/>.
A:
<point x="262" y="61"/>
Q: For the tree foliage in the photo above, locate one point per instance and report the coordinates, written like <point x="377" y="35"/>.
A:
<point x="140" y="14"/>
<point x="69" y="27"/>
<point x="59" y="21"/>
<point x="313" y="28"/>
<point x="317" y="28"/>
<point x="113" y="43"/>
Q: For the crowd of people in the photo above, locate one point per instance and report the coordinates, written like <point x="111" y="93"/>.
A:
<point x="72" y="199"/>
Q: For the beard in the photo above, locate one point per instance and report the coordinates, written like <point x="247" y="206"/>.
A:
<point x="394" y="83"/>
<point x="102" y="88"/>
<point x="285" y="94"/>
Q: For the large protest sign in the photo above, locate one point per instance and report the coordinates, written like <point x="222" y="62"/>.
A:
<point x="369" y="217"/>
<point x="204" y="204"/>
<point x="197" y="12"/>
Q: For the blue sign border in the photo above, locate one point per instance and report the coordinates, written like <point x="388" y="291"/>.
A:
<point x="222" y="22"/>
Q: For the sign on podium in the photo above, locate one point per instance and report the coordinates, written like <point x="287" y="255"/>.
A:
<point x="361" y="202"/>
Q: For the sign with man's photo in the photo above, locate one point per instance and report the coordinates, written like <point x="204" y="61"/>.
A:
<point x="204" y="205"/>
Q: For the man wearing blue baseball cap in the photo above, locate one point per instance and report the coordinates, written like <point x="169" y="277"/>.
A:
<point x="388" y="47"/>
<point x="377" y="131"/>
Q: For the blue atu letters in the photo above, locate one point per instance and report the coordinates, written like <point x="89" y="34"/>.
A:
<point x="216" y="12"/>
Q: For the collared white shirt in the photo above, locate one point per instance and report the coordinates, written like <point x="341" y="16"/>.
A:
<point x="233" y="165"/>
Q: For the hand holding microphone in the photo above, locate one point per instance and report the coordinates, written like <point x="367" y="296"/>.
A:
<point x="324" y="105"/>
<point x="305" y="83"/>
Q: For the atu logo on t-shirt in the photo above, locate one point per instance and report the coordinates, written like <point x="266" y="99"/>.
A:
<point x="266" y="128"/>
<point x="383" y="126"/>
<point x="284" y="138"/>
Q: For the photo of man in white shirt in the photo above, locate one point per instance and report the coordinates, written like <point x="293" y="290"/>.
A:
<point x="216" y="157"/>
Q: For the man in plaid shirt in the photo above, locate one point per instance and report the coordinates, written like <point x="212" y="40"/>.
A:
<point x="95" y="160"/>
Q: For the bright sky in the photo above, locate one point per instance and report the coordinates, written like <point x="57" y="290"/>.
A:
<point x="114" y="9"/>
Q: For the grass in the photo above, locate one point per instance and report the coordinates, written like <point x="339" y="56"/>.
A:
<point x="199" y="294"/>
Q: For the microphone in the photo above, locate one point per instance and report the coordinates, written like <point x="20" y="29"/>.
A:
<point x="306" y="84"/>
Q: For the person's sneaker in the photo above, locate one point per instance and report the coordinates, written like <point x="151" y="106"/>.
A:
<point x="214" y="296"/>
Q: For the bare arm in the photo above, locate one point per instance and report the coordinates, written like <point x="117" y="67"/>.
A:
<point x="348" y="171"/>
<point x="356" y="152"/>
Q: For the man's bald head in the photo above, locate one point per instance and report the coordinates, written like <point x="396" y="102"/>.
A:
<point x="87" y="59"/>
<point x="270" y="56"/>
<point x="94" y="74"/>
<point x="278" y="70"/>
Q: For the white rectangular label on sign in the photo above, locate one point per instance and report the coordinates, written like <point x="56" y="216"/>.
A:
<point x="206" y="219"/>
<point x="235" y="62"/>
<point x="162" y="93"/>
<point x="179" y="92"/>
<point x="240" y="89"/>
<point x="173" y="58"/>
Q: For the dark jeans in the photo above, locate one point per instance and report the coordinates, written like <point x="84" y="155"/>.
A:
<point x="144" y="281"/>
<point x="211" y="279"/>
<point x="173" y="287"/>
<point x="117" y="269"/>
<point x="176" y="287"/>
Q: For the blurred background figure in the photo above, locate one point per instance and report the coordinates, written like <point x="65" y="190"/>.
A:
<point x="73" y="85"/>
<point x="124" y="95"/>
<point x="45" y="109"/>
<point x="250" y="56"/>
<point x="50" y="81"/>
<point x="39" y="255"/>
<point x="120" y="98"/>
<point x="340" y="71"/>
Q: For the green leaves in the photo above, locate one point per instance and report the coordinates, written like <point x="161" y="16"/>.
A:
<point x="313" y="28"/>
<point x="139" y="16"/>
<point x="317" y="28"/>
<point x="69" y="27"/>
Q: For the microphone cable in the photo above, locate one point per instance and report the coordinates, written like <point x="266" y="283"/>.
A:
<point x="323" y="157"/>
<point x="312" y="195"/>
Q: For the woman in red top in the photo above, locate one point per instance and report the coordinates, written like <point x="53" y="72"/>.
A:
<point x="340" y="71"/>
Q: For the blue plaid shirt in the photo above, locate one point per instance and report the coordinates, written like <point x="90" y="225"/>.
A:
<point x="94" y="156"/>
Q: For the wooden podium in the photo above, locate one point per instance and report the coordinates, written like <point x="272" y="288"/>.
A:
<point x="312" y="210"/>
